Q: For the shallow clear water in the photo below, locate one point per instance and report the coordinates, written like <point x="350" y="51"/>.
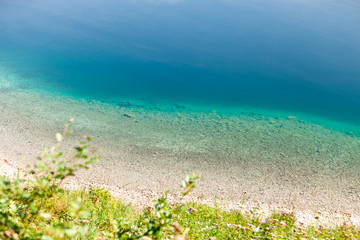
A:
<point x="284" y="55"/>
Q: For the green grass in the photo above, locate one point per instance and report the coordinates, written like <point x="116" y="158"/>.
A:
<point x="106" y="216"/>
<point x="101" y="211"/>
<point x="208" y="222"/>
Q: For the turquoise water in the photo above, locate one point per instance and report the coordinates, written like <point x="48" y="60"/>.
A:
<point x="257" y="96"/>
<point x="300" y="56"/>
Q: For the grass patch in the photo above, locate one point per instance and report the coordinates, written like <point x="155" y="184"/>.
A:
<point x="206" y="222"/>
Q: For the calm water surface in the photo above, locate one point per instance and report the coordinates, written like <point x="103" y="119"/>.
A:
<point x="296" y="55"/>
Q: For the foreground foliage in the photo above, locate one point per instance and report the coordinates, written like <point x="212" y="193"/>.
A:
<point x="36" y="207"/>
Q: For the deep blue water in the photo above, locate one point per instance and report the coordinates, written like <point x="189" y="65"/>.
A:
<point x="298" y="55"/>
